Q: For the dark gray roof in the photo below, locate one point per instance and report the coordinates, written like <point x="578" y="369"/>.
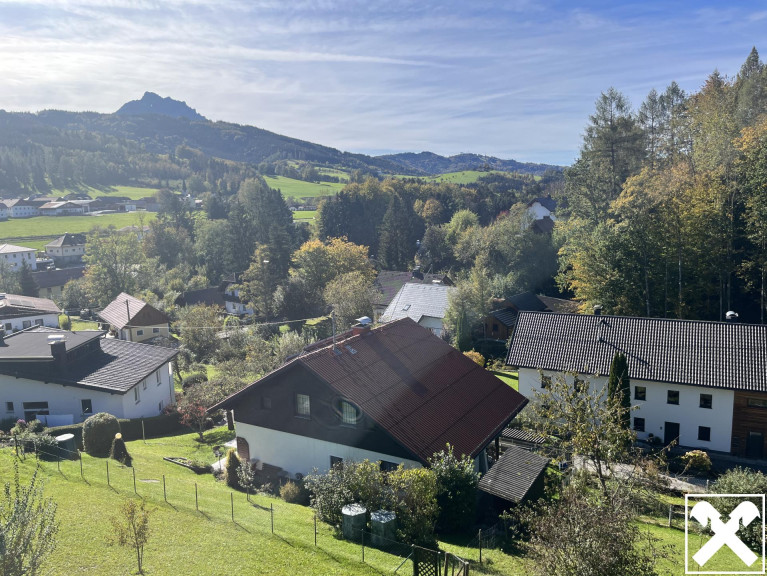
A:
<point x="519" y="435"/>
<point x="67" y="240"/>
<point x="514" y="474"/>
<point x="527" y="301"/>
<point x="712" y="354"/>
<point x="207" y="296"/>
<point x="58" y="277"/>
<point x="505" y="316"/>
<point x="32" y="344"/>
<point x="418" y="300"/>
<point x="546" y="201"/>
<point x="18" y="306"/>
<point x="106" y="364"/>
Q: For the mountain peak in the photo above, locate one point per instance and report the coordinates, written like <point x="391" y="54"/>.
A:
<point x="152" y="103"/>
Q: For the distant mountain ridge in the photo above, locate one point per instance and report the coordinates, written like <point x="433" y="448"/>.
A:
<point x="152" y="103"/>
<point x="435" y="164"/>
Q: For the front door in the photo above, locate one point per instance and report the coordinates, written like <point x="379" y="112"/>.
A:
<point x="755" y="445"/>
<point x="671" y="432"/>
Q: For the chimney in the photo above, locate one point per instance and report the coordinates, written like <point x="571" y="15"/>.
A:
<point x="597" y="310"/>
<point x="362" y="326"/>
<point x="58" y="344"/>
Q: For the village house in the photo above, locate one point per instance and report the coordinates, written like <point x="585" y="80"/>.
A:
<point x="134" y="320"/>
<point x="51" y="282"/>
<point x="3" y="212"/>
<point x="20" y="208"/>
<point x="63" y="377"/>
<point x="66" y="250"/>
<point x="234" y="305"/>
<point x="15" y="255"/>
<point x="396" y="394"/>
<point x="61" y="208"/>
<point x="389" y="282"/>
<point x="702" y="384"/>
<point x="19" y="312"/>
<point x="426" y="304"/>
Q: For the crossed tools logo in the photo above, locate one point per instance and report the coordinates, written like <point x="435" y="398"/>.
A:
<point x="719" y="541"/>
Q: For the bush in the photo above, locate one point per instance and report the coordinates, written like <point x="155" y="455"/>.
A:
<point x="119" y="451"/>
<point x="232" y="465"/>
<point x="696" y="461"/>
<point x="46" y="446"/>
<point x="194" y="379"/>
<point x="475" y="357"/>
<point x="740" y="481"/>
<point x="329" y="493"/>
<point x="64" y="322"/>
<point x="457" y="484"/>
<point x="98" y="432"/>
<point x="415" y="504"/>
<point x="290" y="492"/>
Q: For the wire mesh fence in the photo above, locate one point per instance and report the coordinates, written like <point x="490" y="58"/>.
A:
<point x="255" y="511"/>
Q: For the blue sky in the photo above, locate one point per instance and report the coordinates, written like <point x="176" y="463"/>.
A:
<point x="514" y="79"/>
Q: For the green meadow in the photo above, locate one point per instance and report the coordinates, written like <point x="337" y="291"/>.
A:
<point x="42" y="229"/>
<point x="291" y="188"/>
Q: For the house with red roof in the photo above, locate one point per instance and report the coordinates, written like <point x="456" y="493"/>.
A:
<point x="395" y="394"/>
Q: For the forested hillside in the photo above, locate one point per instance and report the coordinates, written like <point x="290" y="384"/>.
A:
<point x="667" y="204"/>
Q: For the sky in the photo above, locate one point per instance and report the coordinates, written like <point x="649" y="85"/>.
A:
<point x="515" y="79"/>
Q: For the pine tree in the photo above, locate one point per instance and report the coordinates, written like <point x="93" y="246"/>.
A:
<point x="28" y="283"/>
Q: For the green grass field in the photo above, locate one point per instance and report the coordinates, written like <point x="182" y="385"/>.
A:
<point x="185" y="540"/>
<point x="299" y="189"/>
<point x="463" y="177"/>
<point x="132" y="192"/>
<point x="46" y="228"/>
<point x="511" y="378"/>
<point x="304" y="214"/>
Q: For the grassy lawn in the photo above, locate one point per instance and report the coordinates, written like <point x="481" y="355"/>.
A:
<point x="46" y="228"/>
<point x="78" y="324"/>
<point x="511" y="378"/>
<point x="189" y="538"/>
<point x="304" y="214"/>
<point x="300" y="189"/>
<point x="132" y="192"/>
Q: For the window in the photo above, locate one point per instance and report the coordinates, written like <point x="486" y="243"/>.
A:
<point x="640" y="393"/>
<point x="34" y="409"/>
<point x="266" y="403"/>
<point x="639" y="424"/>
<point x="157" y="377"/>
<point x="143" y="383"/>
<point x="704" y="433"/>
<point x="159" y="406"/>
<point x="545" y="382"/>
<point x="706" y="400"/>
<point x="136" y="395"/>
<point x="348" y="413"/>
<point x="303" y="406"/>
<point x="139" y="332"/>
<point x="9" y="406"/>
<point x="86" y="406"/>
<point x="155" y="330"/>
<point x="39" y="322"/>
<point x="580" y="386"/>
<point x="8" y="327"/>
<point x="757" y="402"/>
<point x="26" y="323"/>
<point x="336" y="462"/>
<point x="672" y="397"/>
<point x="388" y="466"/>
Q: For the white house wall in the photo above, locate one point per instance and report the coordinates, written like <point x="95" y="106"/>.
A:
<point x="299" y="454"/>
<point x="50" y="320"/>
<point x="66" y="400"/>
<point x="656" y="411"/>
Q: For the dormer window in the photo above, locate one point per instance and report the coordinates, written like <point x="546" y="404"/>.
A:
<point x="349" y="413"/>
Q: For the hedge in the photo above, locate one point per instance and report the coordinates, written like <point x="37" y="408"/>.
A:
<point x="130" y="429"/>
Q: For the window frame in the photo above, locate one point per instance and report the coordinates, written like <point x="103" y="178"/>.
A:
<point x="710" y="401"/>
<point x="643" y="395"/>
<point x="303" y="405"/>
<point x="669" y="399"/>
<point x="82" y="406"/>
<point x="704" y="431"/>
<point x="349" y="413"/>
<point x="136" y="394"/>
<point x="639" y="424"/>
<point x="9" y="407"/>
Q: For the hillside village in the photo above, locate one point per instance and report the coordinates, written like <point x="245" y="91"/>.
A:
<point x="436" y="370"/>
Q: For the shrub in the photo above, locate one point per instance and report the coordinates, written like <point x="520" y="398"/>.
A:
<point x="232" y="465"/>
<point x="329" y="493"/>
<point x="415" y="504"/>
<point x="740" y="481"/>
<point x="19" y="428"/>
<point x="475" y="357"/>
<point x="98" y="432"/>
<point x="193" y="380"/>
<point x="46" y="446"/>
<point x="65" y="323"/>
<point x="457" y="484"/>
<point x="696" y="461"/>
<point x="290" y="492"/>
<point x="35" y="426"/>
<point x="119" y="451"/>
<point x="245" y="474"/>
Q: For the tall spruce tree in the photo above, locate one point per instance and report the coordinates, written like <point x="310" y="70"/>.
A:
<point x="28" y="283"/>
